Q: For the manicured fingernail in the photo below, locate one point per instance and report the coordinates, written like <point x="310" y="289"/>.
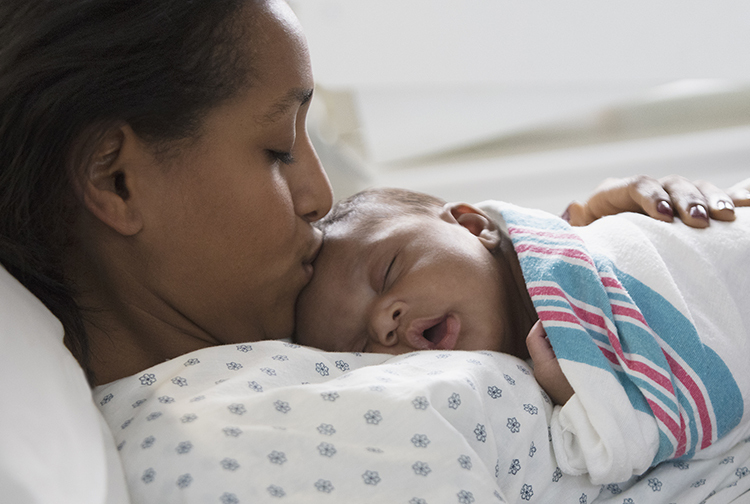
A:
<point x="724" y="205"/>
<point x="665" y="208"/>
<point x="698" y="212"/>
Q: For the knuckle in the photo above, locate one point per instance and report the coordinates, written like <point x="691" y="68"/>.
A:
<point x="644" y="180"/>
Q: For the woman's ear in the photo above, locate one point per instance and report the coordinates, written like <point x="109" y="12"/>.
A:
<point x="475" y="221"/>
<point x="104" y="179"/>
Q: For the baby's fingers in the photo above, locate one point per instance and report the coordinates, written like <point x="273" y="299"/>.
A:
<point x="547" y="369"/>
<point x="539" y="346"/>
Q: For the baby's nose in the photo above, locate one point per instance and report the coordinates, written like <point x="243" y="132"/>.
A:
<point x="385" y="322"/>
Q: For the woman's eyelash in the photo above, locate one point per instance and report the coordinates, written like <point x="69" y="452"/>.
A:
<point x="283" y="157"/>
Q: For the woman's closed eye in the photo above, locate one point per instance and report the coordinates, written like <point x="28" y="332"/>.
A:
<point x="283" y="157"/>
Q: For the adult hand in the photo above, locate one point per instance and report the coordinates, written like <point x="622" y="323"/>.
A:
<point x="694" y="202"/>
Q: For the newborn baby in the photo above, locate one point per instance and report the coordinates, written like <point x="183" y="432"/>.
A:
<point x="401" y="271"/>
<point x="648" y="364"/>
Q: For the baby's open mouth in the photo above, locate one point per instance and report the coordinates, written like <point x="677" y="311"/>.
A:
<point x="436" y="333"/>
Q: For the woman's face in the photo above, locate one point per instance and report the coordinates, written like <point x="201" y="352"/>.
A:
<point x="228" y="221"/>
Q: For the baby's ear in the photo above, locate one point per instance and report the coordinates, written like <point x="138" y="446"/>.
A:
<point x="474" y="220"/>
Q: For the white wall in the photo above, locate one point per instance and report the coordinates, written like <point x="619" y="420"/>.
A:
<point x="358" y="43"/>
<point x="424" y="76"/>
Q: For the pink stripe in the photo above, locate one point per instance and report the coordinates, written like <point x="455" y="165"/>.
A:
<point x="697" y="395"/>
<point x="678" y="431"/>
<point x="516" y="230"/>
<point x="610" y="356"/>
<point x="611" y="282"/>
<point x="627" y="311"/>
<point x="558" y="252"/>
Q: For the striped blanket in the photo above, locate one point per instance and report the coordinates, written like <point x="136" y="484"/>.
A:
<point x="650" y="322"/>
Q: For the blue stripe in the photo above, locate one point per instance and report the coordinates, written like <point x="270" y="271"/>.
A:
<point x="681" y="335"/>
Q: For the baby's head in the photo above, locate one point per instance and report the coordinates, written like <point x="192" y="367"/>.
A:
<point x="401" y="271"/>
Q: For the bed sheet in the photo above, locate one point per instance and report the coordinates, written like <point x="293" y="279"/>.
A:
<point x="273" y="421"/>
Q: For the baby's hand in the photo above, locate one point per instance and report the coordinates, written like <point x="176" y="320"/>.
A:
<point x="546" y="367"/>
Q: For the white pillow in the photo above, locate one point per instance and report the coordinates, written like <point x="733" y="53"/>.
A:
<point x="54" y="444"/>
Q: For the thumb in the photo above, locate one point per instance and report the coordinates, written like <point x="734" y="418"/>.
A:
<point x="579" y="214"/>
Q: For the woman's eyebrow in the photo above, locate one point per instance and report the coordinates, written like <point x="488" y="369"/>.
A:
<point x="296" y="96"/>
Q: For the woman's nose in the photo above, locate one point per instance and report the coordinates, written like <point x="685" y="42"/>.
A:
<point x="308" y="182"/>
<point x="385" y="322"/>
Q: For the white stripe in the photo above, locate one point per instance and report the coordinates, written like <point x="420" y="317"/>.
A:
<point x="674" y="416"/>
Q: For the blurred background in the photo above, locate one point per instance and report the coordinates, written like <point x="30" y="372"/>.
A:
<point x="533" y="102"/>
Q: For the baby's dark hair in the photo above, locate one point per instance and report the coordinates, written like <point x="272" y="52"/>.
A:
<point x="392" y="203"/>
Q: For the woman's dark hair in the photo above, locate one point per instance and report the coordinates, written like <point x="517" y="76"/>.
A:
<point x="69" y="69"/>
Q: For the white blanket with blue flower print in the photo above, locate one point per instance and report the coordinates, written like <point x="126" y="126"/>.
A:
<point x="275" y="422"/>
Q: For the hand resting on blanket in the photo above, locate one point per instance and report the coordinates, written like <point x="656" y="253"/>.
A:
<point x="694" y="202"/>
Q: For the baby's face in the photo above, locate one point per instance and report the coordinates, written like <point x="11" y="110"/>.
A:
<point x="414" y="282"/>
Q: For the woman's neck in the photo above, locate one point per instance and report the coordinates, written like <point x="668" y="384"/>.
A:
<point x="129" y="328"/>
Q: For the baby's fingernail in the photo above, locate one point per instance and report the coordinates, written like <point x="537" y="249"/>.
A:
<point x="698" y="212"/>
<point x="724" y="205"/>
<point x="566" y="215"/>
<point x="665" y="208"/>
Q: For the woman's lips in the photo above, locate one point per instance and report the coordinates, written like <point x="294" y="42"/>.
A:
<point x="315" y="246"/>
<point x="434" y="333"/>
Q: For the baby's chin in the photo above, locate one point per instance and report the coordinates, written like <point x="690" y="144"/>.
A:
<point x="487" y="342"/>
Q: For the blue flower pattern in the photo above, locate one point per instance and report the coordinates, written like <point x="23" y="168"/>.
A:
<point x="420" y="403"/>
<point x="420" y="440"/>
<point x="515" y="466"/>
<point x="481" y="433"/>
<point x="327" y="450"/>
<point x="465" y="497"/>
<point x="494" y="392"/>
<point x="324" y="486"/>
<point x="521" y="475"/>
<point x="373" y="417"/>
<point x="371" y="477"/>
<point x="148" y="379"/>
<point x="454" y="401"/>
<point x="465" y="462"/>
<point x="421" y="468"/>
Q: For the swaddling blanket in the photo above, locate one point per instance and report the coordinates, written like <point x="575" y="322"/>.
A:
<point x="650" y="323"/>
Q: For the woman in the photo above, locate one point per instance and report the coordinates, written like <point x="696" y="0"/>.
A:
<point x="157" y="185"/>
